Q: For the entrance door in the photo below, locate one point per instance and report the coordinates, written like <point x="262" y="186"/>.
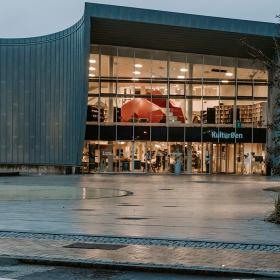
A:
<point x="106" y="157"/>
<point x="223" y="158"/>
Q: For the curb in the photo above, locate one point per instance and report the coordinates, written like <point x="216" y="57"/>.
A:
<point x="149" y="267"/>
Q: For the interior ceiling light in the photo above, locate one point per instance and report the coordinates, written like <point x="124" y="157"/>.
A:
<point x="225" y="81"/>
<point x="92" y="61"/>
<point x="184" y="70"/>
<point x="181" y="77"/>
<point x="92" y="69"/>
<point x="91" y="75"/>
<point x="229" y="74"/>
<point x="138" y="65"/>
<point x="137" y="72"/>
<point x="135" y="79"/>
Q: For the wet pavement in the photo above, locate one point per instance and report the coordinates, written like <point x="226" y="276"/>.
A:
<point x="22" y="271"/>
<point x="219" y="208"/>
<point x="61" y="250"/>
<point x="166" y="223"/>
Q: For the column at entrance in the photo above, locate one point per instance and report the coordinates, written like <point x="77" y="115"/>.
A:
<point x="111" y="113"/>
<point x="211" y="158"/>
<point x="189" y="119"/>
<point x="189" y="157"/>
<point x="111" y="91"/>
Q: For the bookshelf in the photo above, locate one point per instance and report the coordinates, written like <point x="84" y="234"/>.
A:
<point x="224" y="114"/>
<point x="246" y="114"/>
<point x="259" y="114"/>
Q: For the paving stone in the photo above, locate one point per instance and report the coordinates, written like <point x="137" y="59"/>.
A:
<point x="218" y="223"/>
<point x="144" y="241"/>
<point x="203" y="258"/>
<point x="228" y="208"/>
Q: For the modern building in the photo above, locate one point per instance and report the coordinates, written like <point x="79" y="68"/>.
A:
<point x="135" y="90"/>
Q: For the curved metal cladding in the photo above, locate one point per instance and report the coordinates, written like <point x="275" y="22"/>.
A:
<point x="43" y="97"/>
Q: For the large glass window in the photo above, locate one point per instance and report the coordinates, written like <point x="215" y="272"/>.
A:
<point x="260" y="91"/>
<point x="197" y="111"/>
<point x="245" y="91"/>
<point x="250" y="70"/>
<point x="212" y="68"/>
<point x="152" y="108"/>
<point x="227" y="90"/>
<point x="245" y="111"/>
<point x="94" y="62"/>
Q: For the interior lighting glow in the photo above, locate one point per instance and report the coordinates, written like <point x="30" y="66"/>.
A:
<point x="135" y="79"/>
<point x="93" y="61"/>
<point x="181" y="77"/>
<point x="84" y="193"/>
<point x="229" y="74"/>
<point x="91" y="75"/>
<point x="138" y="65"/>
<point x="92" y="69"/>
<point x="225" y="81"/>
<point x="184" y="70"/>
<point x="137" y="72"/>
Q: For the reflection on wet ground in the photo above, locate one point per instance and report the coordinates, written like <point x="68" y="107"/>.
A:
<point x="222" y="208"/>
<point x="57" y="193"/>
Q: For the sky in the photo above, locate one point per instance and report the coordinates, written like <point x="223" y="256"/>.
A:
<point x="29" y="18"/>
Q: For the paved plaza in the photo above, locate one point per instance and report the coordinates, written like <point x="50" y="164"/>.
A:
<point x="222" y="208"/>
<point x="176" y="222"/>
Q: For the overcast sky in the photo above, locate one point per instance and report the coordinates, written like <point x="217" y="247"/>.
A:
<point x="25" y="18"/>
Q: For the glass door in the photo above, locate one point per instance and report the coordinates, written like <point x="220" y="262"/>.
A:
<point x="223" y="158"/>
<point x="106" y="157"/>
<point x="240" y="166"/>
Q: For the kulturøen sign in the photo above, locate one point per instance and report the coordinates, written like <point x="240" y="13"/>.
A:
<point x="225" y="135"/>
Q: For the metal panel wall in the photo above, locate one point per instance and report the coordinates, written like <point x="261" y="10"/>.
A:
<point x="43" y="98"/>
<point x="245" y="27"/>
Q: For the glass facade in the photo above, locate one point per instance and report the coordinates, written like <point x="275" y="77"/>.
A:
<point x="155" y="111"/>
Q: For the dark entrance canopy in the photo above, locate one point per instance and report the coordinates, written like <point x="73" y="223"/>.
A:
<point x="140" y="28"/>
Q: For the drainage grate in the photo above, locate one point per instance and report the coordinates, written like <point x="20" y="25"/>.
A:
<point x="133" y="218"/>
<point x="92" y="246"/>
